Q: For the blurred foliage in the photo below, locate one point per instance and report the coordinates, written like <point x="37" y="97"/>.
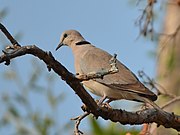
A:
<point x="20" y="112"/>
<point x="3" y="13"/>
<point x="171" y="60"/>
<point x="110" y="129"/>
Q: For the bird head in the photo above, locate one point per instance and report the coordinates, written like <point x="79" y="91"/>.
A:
<point x="70" y="38"/>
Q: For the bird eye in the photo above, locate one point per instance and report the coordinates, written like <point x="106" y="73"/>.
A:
<point x="65" y="35"/>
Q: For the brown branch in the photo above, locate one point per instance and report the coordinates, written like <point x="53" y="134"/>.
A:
<point x="176" y="99"/>
<point x="168" y="39"/>
<point x="8" y="35"/>
<point x="154" y="85"/>
<point x="78" y="120"/>
<point x="145" y="21"/>
<point x="102" y="73"/>
<point x="115" y="115"/>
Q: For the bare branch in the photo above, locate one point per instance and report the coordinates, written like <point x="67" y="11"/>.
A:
<point x="168" y="39"/>
<point x="124" y="117"/>
<point x="145" y="21"/>
<point x="145" y="116"/>
<point x="176" y="99"/>
<point x="8" y="35"/>
<point x="161" y="90"/>
<point x="154" y="85"/>
<point x="102" y="73"/>
<point x="78" y="120"/>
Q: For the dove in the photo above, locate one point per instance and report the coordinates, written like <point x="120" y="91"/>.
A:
<point x="121" y="85"/>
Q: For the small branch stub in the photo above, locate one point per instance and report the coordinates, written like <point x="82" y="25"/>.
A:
<point x="78" y="121"/>
<point x="115" y="115"/>
<point x="92" y="75"/>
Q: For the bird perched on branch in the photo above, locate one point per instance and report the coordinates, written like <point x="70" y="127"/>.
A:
<point x="121" y="85"/>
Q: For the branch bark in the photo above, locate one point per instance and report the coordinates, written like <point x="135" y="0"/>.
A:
<point x="115" y="115"/>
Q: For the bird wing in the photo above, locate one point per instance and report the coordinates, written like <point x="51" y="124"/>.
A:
<point x="95" y="60"/>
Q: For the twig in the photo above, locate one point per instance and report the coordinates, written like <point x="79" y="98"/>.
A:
<point x="102" y="73"/>
<point x="145" y="116"/>
<point x="163" y="91"/>
<point x="78" y="121"/>
<point x="124" y="117"/>
<point x="176" y="99"/>
<point x="168" y="38"/>
<point x="137" y="2"/>
<point x="153" y="84"/>
<point x="145" y="21"/>
<point x="8" y="35"/>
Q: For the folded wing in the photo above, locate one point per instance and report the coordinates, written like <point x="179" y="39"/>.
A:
<point x="98" y="60"/>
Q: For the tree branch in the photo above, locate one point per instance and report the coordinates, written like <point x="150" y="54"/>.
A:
<point x="78" y="120"/>
<point x="102" y="73"/>
<point x="145" y="21"/>
<point x="8" y="35"/>
<point x="115" y="115"/>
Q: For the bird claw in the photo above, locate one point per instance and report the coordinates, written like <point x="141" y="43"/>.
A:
<point x="106" y="105"/>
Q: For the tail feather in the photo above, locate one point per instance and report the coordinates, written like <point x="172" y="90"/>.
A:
<point x="146" y="100"/>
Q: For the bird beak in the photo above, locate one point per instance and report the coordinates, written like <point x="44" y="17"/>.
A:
<point x="60" y="44"/>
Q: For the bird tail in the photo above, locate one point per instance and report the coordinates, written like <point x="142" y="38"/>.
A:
<point x="146" y="100"/>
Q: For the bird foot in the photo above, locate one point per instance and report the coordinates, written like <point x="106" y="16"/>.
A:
<point x="105" y="104"/>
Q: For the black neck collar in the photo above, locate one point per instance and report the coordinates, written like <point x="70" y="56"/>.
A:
<point x="82" y="42"/>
